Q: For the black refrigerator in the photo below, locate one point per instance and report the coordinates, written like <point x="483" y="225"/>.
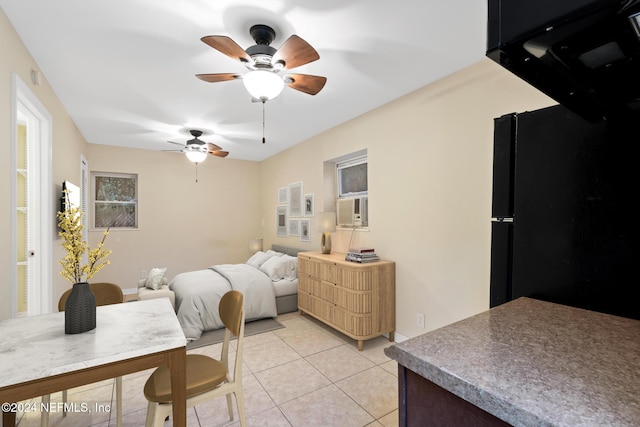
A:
<point x="565" y="218"/>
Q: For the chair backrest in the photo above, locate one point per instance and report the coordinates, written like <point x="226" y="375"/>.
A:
<point x="231" y="313"/>
<point x="105" y="293"/>
<point x="230" y="310"/>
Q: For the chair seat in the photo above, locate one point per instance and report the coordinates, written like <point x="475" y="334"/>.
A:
<point x="203" y="374"/>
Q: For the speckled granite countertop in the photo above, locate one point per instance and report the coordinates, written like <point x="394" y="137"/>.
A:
<point x="534" y="363"/>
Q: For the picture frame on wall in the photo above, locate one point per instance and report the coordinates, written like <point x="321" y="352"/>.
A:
<point x="296" y="199"/>
<point x="309" y="205"/>
<point x="283" y="195"/>
<point x="294" y="227"/>
<point x="305" y="230"/>
<point x="281" y="220"/>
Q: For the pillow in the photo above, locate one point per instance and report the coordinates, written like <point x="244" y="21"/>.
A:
<point x="280" y="267"/>
<point x="291" y="272"/>
<point x="260" y="257"/>
<point x="275" y="268"/>
<point x="154" y="279"/>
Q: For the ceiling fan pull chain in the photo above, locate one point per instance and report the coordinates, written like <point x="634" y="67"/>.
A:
<point x="196" y="172"/>
<point x="263" y="102"/>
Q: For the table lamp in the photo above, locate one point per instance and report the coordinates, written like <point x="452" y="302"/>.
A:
<point x="255" y="244"/>
<point x="326" y="224"/>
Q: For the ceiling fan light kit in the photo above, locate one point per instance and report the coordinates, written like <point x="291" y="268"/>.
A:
<point x="196" y="155"/>
<point x="263" y="85"/>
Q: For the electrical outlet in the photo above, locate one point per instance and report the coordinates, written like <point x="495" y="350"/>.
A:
<point x="420" y="320"/>
<point x="144" y="274"/>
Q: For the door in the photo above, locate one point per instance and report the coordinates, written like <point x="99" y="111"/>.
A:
<point x="33" y="212"/>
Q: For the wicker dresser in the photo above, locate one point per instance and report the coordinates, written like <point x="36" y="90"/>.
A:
<point x="358" y="300"/>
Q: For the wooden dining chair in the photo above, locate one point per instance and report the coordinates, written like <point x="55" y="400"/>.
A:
<point x="207" y="378"/>
<point x="105" y="294"/>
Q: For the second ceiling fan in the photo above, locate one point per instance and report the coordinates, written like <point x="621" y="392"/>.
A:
<point x="264" y="81"/>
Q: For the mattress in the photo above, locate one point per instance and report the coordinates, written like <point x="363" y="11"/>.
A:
<point x="285" y="287"/>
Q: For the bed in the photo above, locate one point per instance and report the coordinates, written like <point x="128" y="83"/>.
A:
<point x="268" y="280"/>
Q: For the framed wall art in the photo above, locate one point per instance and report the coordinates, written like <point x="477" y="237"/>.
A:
<point x="283" y="195"/>
<point x="296" y="199"/>
<point x="294" y="227"/>
<point x="309" y="206"/>
<point x="281" y="220"/>
<point x="305" y="230"/>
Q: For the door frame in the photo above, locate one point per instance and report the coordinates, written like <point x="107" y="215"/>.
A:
<point x="40" y="287"/>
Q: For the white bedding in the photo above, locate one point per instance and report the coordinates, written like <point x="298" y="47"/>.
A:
<point x="198" y="294"/>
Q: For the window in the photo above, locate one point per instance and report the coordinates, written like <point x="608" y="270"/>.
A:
<point x="352" y="177"/>
<point x="115" y="200"/>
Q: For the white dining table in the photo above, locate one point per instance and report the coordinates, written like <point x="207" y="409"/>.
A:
<point x="38" y="358"/>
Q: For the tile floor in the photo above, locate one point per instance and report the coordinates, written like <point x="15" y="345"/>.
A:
<point x="305" y="374"/>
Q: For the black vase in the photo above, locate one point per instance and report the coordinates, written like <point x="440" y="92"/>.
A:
<point x="80" y="310"/>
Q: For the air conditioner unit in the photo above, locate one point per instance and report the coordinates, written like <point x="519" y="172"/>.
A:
<point x="353" y="211"/>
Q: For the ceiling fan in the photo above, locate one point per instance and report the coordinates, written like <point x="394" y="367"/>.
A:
<point x="263" y="81"/>
<point x="197" y="150"/>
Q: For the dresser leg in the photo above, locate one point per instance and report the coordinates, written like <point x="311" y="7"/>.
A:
<point x="360" y="345"/>
<point x="391" y="336"/>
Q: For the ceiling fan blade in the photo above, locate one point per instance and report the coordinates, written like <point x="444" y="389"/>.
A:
<point x="295" y="52"/>
<point x="219" y="77"/>
<point x="176" y="143"/>
<point x="306" y="83"/>
<point x="219" y="153"/>
<point x="213" y="147"/>
<point x="227" y="46"/>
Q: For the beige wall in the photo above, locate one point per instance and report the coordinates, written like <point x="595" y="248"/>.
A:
<point x="182" y="224"/>
<point x="430" y="168"/>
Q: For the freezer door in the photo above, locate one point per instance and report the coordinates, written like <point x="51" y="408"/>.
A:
<point x="501" y="262"/>
<point x="503" y="166"/>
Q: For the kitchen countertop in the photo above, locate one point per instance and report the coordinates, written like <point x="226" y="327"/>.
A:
<point x="530" y="362"/>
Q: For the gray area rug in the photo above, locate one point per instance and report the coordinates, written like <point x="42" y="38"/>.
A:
<point x="250" y="328"/>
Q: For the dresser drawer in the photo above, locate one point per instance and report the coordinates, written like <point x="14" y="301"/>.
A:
<point x="359" y="279"/>
<point x="309" y="284"/>
<point x="308" y="266"/>
<point x="357" y="324"/>
<point x="356" y="302"/>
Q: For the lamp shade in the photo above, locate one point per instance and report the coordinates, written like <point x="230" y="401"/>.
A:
<point x="263" y="84"/>
<point x="255" y="244"/>
<point x="196" y="156"/>
<point x="326" y="222"/>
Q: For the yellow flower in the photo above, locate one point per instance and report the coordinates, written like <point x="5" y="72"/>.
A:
<point x="70" y="223"/>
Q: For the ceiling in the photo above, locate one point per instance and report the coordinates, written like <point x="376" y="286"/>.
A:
<point x="125" y="69"/>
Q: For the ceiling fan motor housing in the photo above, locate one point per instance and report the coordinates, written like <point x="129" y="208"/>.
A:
<point x="262" y="52"/>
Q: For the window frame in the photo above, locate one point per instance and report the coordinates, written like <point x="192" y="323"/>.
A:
<point x="95" y="202"/>
<point x="340" y="166"/>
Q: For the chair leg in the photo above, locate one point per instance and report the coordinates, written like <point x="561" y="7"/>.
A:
<point x="230" y="406"/>
<point x="44" y="415"/>
<point x="119" y="401"/>
<point x="64" y="403"/>
<point x="240" y="402"/>
<point x="156" y="414"/>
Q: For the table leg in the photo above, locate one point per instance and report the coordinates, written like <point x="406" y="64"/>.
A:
<point x="8" y="419"/>
<point x="178" y="368"/>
